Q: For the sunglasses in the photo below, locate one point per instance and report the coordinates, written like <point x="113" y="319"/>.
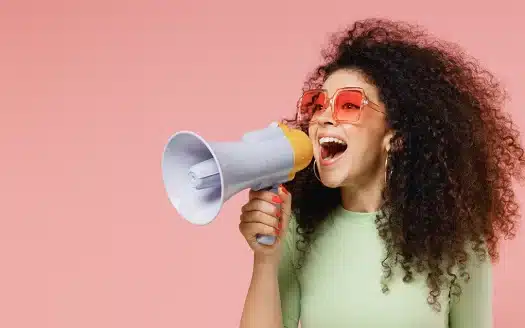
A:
<point x="347" y="104"/>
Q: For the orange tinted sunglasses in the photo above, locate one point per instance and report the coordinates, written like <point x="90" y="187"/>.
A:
<point x="347" y="104"/>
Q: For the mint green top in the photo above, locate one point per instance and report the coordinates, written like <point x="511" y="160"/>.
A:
<point x="339" y="284"/>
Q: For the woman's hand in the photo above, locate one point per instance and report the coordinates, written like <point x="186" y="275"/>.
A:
<point x="266" y="213"/>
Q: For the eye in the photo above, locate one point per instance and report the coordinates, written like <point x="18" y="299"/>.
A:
<point x="349" y="105"/>
<point x="317" y="107"/>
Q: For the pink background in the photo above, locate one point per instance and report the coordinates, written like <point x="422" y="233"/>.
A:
<point x="90" y="91"/>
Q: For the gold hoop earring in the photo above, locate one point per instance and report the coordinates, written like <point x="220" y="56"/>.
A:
<point x="315" y="173"/>
<point x="387" y="173"/>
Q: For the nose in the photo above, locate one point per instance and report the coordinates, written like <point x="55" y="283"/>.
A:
<point x="326" y="117"/>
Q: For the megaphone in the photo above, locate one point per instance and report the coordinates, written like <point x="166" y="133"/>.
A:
<point x="200" y="176"/>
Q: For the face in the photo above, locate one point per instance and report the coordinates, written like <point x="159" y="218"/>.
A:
<point x="350" y="154"/>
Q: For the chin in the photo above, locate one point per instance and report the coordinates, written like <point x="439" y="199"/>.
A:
<point x="330" y="183"/>
<point x="331" y="178"/>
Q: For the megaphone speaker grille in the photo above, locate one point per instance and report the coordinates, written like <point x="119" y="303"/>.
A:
<point x="192" y="178"/>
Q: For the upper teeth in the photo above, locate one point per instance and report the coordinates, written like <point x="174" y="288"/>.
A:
<point x="331" y="139"/>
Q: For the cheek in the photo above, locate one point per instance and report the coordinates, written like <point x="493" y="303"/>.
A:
<point x="363" y="144"/>
<point x="311" y="133"/>
<point x="311" y="130"/>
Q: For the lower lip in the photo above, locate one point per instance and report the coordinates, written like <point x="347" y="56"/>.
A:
<point x="328" y="162"/>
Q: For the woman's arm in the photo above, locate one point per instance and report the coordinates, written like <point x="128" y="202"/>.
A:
<point x="273" y="296"/>
<point x="474" y="308"/>
<point x="262" y="307"/>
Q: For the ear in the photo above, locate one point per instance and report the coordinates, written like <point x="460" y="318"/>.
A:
<point x="386" y="140"/>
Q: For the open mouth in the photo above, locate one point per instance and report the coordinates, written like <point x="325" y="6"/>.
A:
<point x="331" y="148"/>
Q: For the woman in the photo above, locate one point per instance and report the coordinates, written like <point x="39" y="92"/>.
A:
<point x="396" y="220"/>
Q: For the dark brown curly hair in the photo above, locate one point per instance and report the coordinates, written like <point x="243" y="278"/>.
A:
<point x="450" y="182"/>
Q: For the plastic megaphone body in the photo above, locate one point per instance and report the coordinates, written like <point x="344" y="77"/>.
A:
<point x="199" y="176"/>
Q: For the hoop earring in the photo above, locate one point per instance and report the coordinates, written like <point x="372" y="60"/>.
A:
<point x="314" y="169"/>
<point x="387" y="173"/>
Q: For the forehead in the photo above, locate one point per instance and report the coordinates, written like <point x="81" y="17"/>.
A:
<point x="350" y="78"/>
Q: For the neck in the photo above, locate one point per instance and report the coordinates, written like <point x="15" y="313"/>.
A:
<point x="362" y="198"/>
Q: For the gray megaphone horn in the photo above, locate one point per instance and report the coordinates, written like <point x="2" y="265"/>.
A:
<point x="199" y="176"/>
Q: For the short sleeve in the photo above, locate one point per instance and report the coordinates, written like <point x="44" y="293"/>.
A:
<point x="474" y="307"/>
<point x="289" y="288"/>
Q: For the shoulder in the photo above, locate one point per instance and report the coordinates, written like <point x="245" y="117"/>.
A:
<point x="473" y="274"/>
<point x="471" y="305"/>
<point x="478" y="263"/>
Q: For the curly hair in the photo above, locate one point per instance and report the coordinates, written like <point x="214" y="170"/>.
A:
<point x="450" y="182"/>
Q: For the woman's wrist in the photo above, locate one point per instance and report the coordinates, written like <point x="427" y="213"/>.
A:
<point x="265" y="262"/>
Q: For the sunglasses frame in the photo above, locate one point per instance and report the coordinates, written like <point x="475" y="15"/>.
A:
<point x="364" y="103"/>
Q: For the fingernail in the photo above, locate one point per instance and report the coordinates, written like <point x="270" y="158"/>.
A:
<point x="277" y="199"/>
<point x="280" y="225"/>
<point x="284" y="190"/>
<point x="278" y="214"/>
<point x="277" y="231"/>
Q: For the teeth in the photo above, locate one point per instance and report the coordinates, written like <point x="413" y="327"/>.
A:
<point x="324" y="140"/>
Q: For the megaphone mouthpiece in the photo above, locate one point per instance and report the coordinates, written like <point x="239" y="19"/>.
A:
<point x="302" y="148"/>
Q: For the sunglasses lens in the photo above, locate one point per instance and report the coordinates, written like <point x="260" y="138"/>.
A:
<point x="311" y="103"/>
<point x="348" y="105"/>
